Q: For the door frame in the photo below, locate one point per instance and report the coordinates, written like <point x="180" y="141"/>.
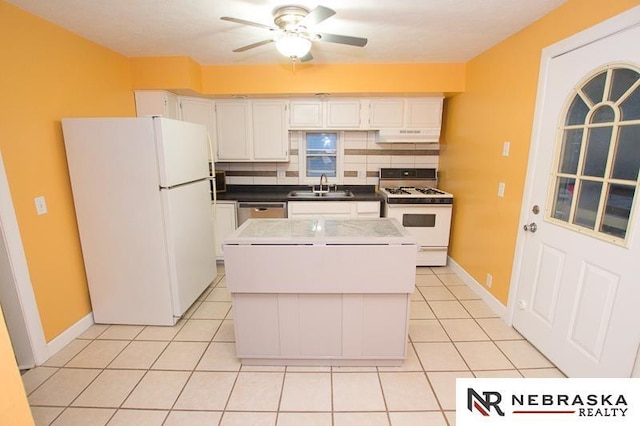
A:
<point x="599" y="31"/>
<point x="20" y="270"/>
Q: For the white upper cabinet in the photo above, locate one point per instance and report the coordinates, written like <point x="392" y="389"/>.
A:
<point x="252" y="130"/>
<point x="156" y="103"/>
<point x="405" y="113"/>
<point x="326" y="114"/>
<point x="200" y="111"/>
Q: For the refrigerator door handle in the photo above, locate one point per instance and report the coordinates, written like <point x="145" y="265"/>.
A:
<point x="183" y="184"/>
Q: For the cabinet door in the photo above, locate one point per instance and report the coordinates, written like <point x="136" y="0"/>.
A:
<point x="386" y="113"/>
<point x="343" y="114"/>
<point x="200" y="111"/>
<point x="270" y="131"/>
<point x="233" y="130"/>
<point x="301" y="209"/>
<point x="368" y="209"/>
<point x="156" y="102"/>
<point x="225" y="223"/>
<point x="423" y="113"/>
<point x="306" y="114"/>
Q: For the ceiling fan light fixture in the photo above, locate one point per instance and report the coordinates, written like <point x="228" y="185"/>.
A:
<point x="293" y="46"/>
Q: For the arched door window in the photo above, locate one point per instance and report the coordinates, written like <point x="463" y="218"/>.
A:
<point x="595" y="178"/>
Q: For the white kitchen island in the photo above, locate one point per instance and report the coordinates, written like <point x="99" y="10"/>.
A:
<point x="321" y="291"/>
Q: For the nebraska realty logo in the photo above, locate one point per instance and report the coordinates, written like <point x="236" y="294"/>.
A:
<point x="560" y="401"/>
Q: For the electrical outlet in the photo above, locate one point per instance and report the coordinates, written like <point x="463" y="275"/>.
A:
<point x="501" y="188"/>
<point x="489" y="280"/>
<point x="506" y="146"/>
<point x="41" y="205"/>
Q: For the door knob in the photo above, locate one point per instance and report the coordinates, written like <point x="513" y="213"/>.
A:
<point x="532" y="227"/>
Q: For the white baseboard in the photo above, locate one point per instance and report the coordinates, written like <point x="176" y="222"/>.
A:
<point x="69" y="334"/>
<point x="496" y="306"/>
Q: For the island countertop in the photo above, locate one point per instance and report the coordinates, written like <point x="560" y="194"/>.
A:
<point x="321" y="231"/>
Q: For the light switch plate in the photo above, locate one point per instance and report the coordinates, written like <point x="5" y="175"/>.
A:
<point x="501" y="188"/>
<point x="506" y="146"/>
<point x="41" y="205"/>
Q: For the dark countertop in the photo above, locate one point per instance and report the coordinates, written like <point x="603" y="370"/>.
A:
<point x="265" y="193"/>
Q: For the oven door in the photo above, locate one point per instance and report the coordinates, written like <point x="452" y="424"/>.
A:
<point x="430" y="224"/>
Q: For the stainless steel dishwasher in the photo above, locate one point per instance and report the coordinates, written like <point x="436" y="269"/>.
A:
<point x="261" y="210"/>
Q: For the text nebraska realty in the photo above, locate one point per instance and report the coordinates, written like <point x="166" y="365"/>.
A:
<point x="586" y="405"/>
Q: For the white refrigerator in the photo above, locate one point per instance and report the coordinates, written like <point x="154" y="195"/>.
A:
<point x="141" y="189"/>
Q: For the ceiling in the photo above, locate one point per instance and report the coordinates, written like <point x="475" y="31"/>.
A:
<point x="399" y="31"/>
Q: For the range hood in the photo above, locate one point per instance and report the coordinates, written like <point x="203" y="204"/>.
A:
<point x="431" y="135"/>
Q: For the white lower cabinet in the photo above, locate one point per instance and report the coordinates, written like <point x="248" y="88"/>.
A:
<point x="224" y="213"/>
<point x="302" y="209"/>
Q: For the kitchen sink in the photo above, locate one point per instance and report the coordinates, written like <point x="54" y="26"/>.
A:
<point x="311" y="195"/>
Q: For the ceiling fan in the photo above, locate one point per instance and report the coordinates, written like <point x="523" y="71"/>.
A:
<point x="293" y="33"/>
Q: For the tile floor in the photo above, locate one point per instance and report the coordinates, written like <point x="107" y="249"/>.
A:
<point x="188" y="374"/>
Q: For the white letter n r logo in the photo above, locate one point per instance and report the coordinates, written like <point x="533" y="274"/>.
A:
<point x="483" y="405"/>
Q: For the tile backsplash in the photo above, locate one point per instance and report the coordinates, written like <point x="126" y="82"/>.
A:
<point x="362" y="158"/>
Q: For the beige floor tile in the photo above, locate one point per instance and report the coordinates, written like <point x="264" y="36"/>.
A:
<point x="478" y="309"/>
<point x="189" y="312"/>
<point x="483" y="356"/>
<point x="427" y="331"/>
<point x="98" y="354"/>
<point x="219" y="356"/>
<point x="444" y="386"/>
<point x="419" y="418"/>
<point x="445" y="309"/>
<point x="464" y="292"/>
<point x="225" y="333"/>
<point x="221" y="282"/>
<point x="121" y="332"/>
<point x="193" y="418"/>
<point x="44" y="416"/>
<point x="84" y="417"/>
<point x="357" y="392"/>
<point x="463" y="330"/>
<point x="436" y="293"/>
<point x="354" y="369"/>
<point x="180" y="356"/>
<point x="246" y="419"/>
<point x="109" y="389"/>
<point x="360" y="419"/>
<point x="440" y="357"/>
<point x="139" y="355"/>
<point x="198" y="331"/>
<point x="306" y="392"/>
<point x="443" y="270"/>
<point x="451" y="417"/>
<point x="63" y="387"/>
<point x="542" y="373"/>
<point x="36" y="376"/>
<point x="206" y="391"/>
<point x="497" y="329"/>
<point x="161" y="333"/>
<point x="411" y="362"/>
<point x="421" y="310"/>
<point x="428" y="281"/>
<point x="491" y="374"/>
<point x="416" y="296"/>
<point x="219" y="294"/>
<point x="256" y="392"/>
<point x="138" y="417"/>
<point x="94" y="331"/>
<point x="523" y="355"/>
<point x="407" y="392"/>
<point x="307" y="369"/>
<point x="423" y="270"/>
<point x="157" y="390"/>
<point x="304" y="419"/>
<point x="66" y="354"/>
<point x="212" y="310"/>
<point x="203" y="296"/>
<point x="451" y="279"/>
<point x="264" y="368"/>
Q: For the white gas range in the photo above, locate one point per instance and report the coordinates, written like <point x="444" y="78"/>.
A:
<point x="411" y="198"/>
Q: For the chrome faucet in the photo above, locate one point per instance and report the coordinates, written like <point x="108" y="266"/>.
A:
<point x="323" y="177"/>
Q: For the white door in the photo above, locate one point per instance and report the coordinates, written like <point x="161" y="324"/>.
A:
<point x="576" y="271"/>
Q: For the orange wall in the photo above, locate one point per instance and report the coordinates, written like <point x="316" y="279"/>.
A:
<point x="179" y="73"/>
<point x="49" y="73"/>
<point x="497" y="106"/>
<point x="14" y="408"/>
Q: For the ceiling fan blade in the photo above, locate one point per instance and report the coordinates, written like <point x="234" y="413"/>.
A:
<point x="244" y="22"/>
<point x="306" y="58"/>
<point x="335" y="38"/>
<point x="251" y="46"/>
<point x="316" y="16"/>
